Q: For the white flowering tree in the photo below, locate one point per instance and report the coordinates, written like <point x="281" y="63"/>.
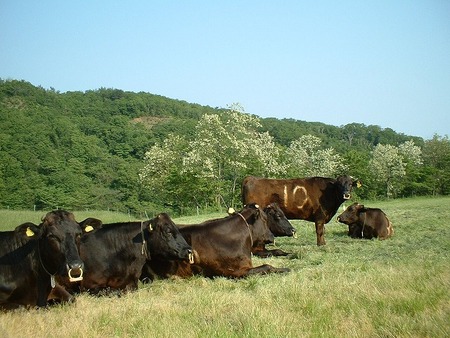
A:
<point x="304" y="158"/>
<point x="210" y="167"/>
<point x="389" y="165"/>
<point x="226" y="148"/>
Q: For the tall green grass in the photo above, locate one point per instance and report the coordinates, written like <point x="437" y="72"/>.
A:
<point x="349" y="288"/>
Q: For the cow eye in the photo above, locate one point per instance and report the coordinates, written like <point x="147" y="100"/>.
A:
<point x="52" y="237"/>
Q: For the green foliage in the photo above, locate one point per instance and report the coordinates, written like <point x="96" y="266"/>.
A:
<point x="208" y="169"/>
<point x="87" y="149"/>
<point x="395" y="166"/>
<point x="436" y="154"/>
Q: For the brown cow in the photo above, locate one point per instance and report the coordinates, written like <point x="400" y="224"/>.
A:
<point x="314" y="199"/>
<point x="31" y="256"/>
<point x="280" y="226"/>
<point x="222" y="247"/>
<point x="115" y="253"/>
<point x="366" y="222"/>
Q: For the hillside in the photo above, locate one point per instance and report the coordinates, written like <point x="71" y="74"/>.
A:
<point x="83" y="150"/>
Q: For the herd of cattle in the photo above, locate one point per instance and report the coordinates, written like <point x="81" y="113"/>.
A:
<point x="60" y="257"/>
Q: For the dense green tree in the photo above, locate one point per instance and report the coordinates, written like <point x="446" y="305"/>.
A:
<point x="436" y="155"/>
<point x="86" y="150"/>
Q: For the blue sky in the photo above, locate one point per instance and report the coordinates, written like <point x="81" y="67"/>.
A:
<point x="380" y="62"/>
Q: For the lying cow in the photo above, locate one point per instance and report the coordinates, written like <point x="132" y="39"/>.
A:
<point x="314" y="199"/>
<point x="279" y="225"/>
<point x="366" y="222"/>
<point x="32" y="255"/>
<point x="222" y="247"/>
<point x="114" y="254"/>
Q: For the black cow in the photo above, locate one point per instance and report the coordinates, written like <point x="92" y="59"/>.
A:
<point x="366" y="222"/>
<point x="222" y="247"/>
<point x="114" y="254"/>
<point x="279" y="225"/>
<point x="314" y="199"/>
<point x="32" y="255"/>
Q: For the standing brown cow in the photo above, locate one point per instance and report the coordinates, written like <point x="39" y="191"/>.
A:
<point x="314" y="199"/>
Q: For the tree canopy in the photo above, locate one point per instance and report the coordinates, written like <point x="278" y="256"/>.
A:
<point x="140" y="152"/>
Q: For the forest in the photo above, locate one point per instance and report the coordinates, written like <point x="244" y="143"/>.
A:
<point x="141" y="153"/>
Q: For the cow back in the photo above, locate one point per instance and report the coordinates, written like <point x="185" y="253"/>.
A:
<point x="311" y="199"/>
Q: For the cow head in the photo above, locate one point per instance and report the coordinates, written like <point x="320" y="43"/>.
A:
<point x="278" y="224"/>
<point x="58" y="245"/>
<point x="256" y="218"/>
<point x="165" y="240"/>
<point x="345" y="185"/>
<point x="351" y="214"/>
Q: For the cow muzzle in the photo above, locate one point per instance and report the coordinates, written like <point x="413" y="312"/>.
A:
<point x="191" y="257"/>
<point x="75" y="272"/>
<point x="294" y="233"/>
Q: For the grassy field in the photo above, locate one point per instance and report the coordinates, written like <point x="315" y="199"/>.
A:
<point x="349" y="288"/>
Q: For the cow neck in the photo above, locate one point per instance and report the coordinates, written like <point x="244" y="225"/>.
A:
<point x="52" y="276"/>
<point x="248" y="227"/>
<point x="144" y="250"/>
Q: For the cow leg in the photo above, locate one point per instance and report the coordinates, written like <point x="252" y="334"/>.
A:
<point x="265" y="269"/>
<point x="278" y="252"/>
<point x="320" y="231"/>
<point x="270" y="253"/>
<point x="60" y="295"/>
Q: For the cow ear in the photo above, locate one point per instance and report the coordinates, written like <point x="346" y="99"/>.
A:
<point x="148" y="224"/>
<point x="269" y="207"/>
<point x="89" y="224"/>
<point x="29" y="230"/>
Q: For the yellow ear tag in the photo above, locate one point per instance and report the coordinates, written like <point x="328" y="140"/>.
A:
<point x="358" y="184"/>
<point x="231" y="211"/>
<point x="89" y="228"/>
<point x="29" y="232"/>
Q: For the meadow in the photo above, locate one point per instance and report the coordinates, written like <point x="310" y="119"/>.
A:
<point x="399" y="287"/>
